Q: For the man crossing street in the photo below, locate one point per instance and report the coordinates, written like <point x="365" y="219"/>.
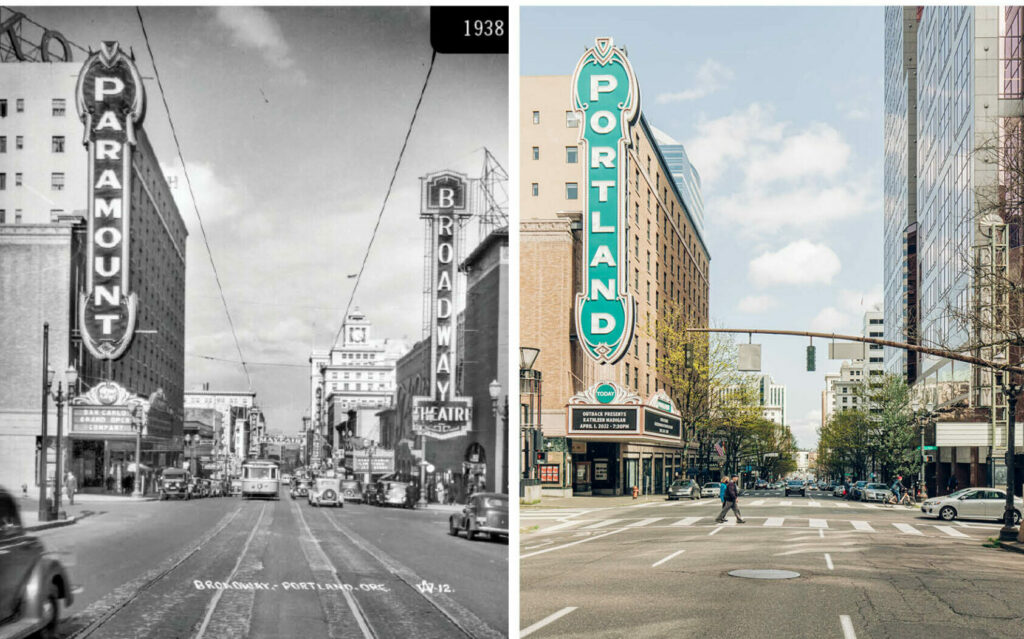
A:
<point x="731" y="496"/>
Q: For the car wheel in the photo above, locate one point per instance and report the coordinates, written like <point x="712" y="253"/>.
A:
<point x="51" y="613"/>
<point x="452" y="530"/>
<point x="948" y="513"/>
<point x="1016" y="518"/>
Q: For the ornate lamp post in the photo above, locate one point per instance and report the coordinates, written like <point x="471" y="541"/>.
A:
<point x="1011" y="390"/>
<point x="500" y="419"/>
<point x="530" y="408"/>
<point x="921" y="419"/>
<point x="60" y="397"/>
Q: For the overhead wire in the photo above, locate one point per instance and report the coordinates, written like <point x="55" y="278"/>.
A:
<point x="195" y="204"/>
<point x="387" y="195"/>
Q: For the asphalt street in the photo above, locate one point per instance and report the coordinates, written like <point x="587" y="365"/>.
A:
<point x="224" y="567"/>
<point x="660" y="568"/>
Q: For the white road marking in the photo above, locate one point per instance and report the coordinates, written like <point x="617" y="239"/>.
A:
<point x="952" y="532"/>
<point x="821" y="533"/>
<point x="862" y="525"/>
<point x="644" y="522"/>
<point x="774" y="521"/>
<point x="604" y="522"/>
<point x="907" y="528"/>
<point x="814" y="504"/>
<point x="817" y="523"/>
<point x="785" y="502"/>
<point x="688" y="521"/>
<point x="842" y="505"/>
<point x="545" y="621"/>
<point x="661" y="561"/>
<point x="715" y="530"/>
<point x="571" y="543"/>
<point x="566" y="524"/>
<point x="847" y="624"/>
<point x="867" y="505"/>
<point x="757" y="502"/>
<point x="828" y="561"/>
<point x="540" y="545"/>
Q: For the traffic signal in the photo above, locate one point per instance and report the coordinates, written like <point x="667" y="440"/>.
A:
<point x="810" y="358"/>
<point x="541" y="457"/>
<point x="688" y="356"/>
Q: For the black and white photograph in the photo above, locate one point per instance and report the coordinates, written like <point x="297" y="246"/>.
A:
<point x="254" y="308"/>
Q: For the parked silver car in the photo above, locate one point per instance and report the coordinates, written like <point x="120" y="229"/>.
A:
<point x="683" y="488"/>
<point x="875" y="492"/>
<point x="972" y="503"/>
<point x="711" y="489"/>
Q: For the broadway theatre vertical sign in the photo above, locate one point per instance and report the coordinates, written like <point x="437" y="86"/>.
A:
<point x="445" y="201"/>
<point x="111" y="104"/>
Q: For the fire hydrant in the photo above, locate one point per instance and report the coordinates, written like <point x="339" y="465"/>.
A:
<point x="636" y="492"/>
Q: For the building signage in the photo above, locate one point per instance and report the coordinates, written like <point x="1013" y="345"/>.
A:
<point x="442" y="415"/>
<point x="111" y="104"/>
<point x="382" y="461"/>
<point x="590" y="420"/>
<point x="609" y="410"/>
<point x="107" y="410"/>
<point x="661" y="425"/>
<point x="606" y="99"/>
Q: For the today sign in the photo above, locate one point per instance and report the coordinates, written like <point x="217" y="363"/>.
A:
<point x="111" y="104"/>
<point x="606" y="98"/>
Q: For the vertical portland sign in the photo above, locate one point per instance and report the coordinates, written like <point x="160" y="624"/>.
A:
<point x="445" y="202"/>
<point x="111" y="104"/>
<point x="606" y="98"/>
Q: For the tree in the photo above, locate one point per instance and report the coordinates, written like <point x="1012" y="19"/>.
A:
<point x="843" y="442"/>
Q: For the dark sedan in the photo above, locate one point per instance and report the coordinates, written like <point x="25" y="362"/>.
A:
<point x="796" y="486"/>
<point x="486" y="513"/>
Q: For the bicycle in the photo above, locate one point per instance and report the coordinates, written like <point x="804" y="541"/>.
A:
<point x="906" y="500"/>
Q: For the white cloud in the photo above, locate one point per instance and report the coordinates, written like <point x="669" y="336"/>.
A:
<point x="710" y="77"/>
<point x="254" y="27"/>
<point x="806" y="429"/>
<point x="757" y="210"/>
<point x="215" y="198"/>
<point x="800" y="262"/>
<point x="858" y="302"/>
<point x="720" y="142"/>
<point x="754" y="304"/>
<point x="830" y="320"/>
<point x="818" y="151"/>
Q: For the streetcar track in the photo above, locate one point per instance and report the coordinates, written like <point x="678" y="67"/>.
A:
<point x="460" y="616"/>
<point x="145" y="583"/>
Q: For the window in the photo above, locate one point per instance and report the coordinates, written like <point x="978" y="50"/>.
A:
<point x="55" y="214"/>
<point x="571" y="190"/>
<point x="17" y="216"/>
<point x="534" y="189"/>
<point x="59" y="107"/>
<point x="572" y="154"/>
<point x="536" y="153"/>
<point x="19" y="142"/>
<point x="19" y="105"/>
<point x="57" y="145"/>
<point x="571" y="121"/>
<point x="3" y="216"/>
<point x="3" y="108"/>
<point x="17" y="179"/>
<point x="57" y="181"/>
<point x="3" y="181"/>
<point x="3" y="144"/>
<point x="536" y="117"/>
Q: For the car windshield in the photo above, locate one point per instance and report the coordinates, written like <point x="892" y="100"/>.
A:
<point x="713" y="484"/>
<point x="796" y="483"/>
<point x="500" y="503"/>
<point x="876" y="486"/>
<point x="679" y="484"/>
<point x="958" y="493"/>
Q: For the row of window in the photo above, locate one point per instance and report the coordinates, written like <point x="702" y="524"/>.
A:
<point x="56" y="143"/>
<point x="56" y="181"/>
<point x="54" y="215"/>
<point x="571" y="121"/>
<point x="58" y="106"/>
<point x="572" y="154"/>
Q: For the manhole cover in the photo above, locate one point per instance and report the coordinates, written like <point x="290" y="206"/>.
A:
<point x="765" y="574"/>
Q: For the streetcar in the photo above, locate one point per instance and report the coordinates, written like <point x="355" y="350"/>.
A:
<point x="261" y="478"/>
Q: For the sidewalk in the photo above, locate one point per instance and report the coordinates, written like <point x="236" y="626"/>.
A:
<point x="28" y="508"/>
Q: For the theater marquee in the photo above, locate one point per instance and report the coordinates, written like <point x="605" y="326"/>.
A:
<point x="111" y="104"/>
<point x="609" y="411"/>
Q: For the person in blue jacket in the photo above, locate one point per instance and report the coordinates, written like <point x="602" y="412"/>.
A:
<point x="721" y="491"/>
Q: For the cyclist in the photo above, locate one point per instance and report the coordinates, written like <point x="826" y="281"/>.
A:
<point x="899" y="490"/>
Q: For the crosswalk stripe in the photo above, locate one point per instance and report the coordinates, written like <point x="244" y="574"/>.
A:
<point x="952" y="532"/>
<point x="907" y="528"/>
<point x="603" y="522"/>
<point x="785" y="503"/>
<point x="865" y="505"/>
<point x="644" y="522"/>
<point x="774" y="521"/>
<point x="688" y="521"/>
<point x="567" y="524"/>
<point x="862" y="525"/>
<point x="757" y="502"/>
<point x="814" y="504"/>
<point x="841" y="505"/>
<point x="817" y="523"/>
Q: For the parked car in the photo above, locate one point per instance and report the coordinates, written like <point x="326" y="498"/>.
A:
<point x="484" y="513"/>
<point x="710" y="489"/>
<point x="761" y="485"/>
<point x="299" y="489"/>
<point x="352" y="490"/>
<point x="32" y="584"/>
<point x="875" y="492"/>
<point x="235" y="487"/>
<point x="175" y="483"/>
<point x="683" y="488"/>
<point x="972" y="503"/>
<point x="326" y="491"/>
<point x="839" y="490"/>
<point x="392" y="493"/>
<point x="855" y="490"/>
<point x="796" y="486"/>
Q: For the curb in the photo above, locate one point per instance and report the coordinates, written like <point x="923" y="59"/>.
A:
<point x="51" y="524"/>
<point x="1012" y="546"/>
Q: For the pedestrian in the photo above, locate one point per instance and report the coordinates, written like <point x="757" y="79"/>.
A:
<point x="952" y="484"/>
<point x="721" y="490"/>
<point x="70" y="486"/>
<point x="731" y="497"/>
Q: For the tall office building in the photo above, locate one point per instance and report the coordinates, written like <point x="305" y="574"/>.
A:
<point x="684" y="174"/>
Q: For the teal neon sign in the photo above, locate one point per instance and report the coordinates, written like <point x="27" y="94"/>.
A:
<point x="606" y="99"/>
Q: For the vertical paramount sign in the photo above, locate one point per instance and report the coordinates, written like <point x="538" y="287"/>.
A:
<point x="445" y="201"/>
<point x="606" y="99"/>
<point x="111" y="104"/>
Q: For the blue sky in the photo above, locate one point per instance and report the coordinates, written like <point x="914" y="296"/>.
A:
<point x="780" y="110"/>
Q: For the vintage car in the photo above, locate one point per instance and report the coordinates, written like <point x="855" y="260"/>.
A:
<point x="326" y="491"/>
<point x="299" y="488"/>
<point x="176" y="483"/>
<point x="393" y="493"/>
<point x="484" y="513"/>
<point x="235" y="487"/>
<point x="352" y="490"/>
<point x="32" y="584"/>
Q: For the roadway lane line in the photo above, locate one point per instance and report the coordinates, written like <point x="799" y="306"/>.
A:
<point x="604" y="522"/>
<point x="786" y="503"/>
<point x="545" y="621"/>
<point x="572" y="543"/>
<point x="841" y="505"/>
<point x="952" y="532"/>
<point x="817" y="523"/>
<point x="862" y="525"/>
<point x="688" y="521"/>
<point x="821" y="533"/>
<point x="847" y="624"/>
<point x="644" y="522"/>
<point x="715" y="530"/>
<point x="814" y="504"/>
<point x="828" y="561"/>
<point x="210" y="607"/>
<point x="565" y="524"/>
<point x="907" y="528"/>
<point x="774" y="521"/>
<point x="540" y="545"/>
<point x="661" y="561"/>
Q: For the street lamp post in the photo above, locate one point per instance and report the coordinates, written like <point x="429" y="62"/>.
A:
<point x="494" y="388"/>
<point x="44" y="512"/>
<point x="60" y="397"/>
<point x="1007" y="532"/>
<point x="921" y="419"/>
<point x="529" y="382"/>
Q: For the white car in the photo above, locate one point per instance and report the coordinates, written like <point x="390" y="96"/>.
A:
<point x="711" y="489"/>
<point x="972" y="503"/>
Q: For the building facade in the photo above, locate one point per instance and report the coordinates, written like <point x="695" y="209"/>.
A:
<point x="847" y="389"/>
<point x="667" y="267"/>
<point x="235" y="408"/>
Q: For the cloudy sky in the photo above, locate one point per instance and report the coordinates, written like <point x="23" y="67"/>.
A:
<point x="290" y="122"/>
<point x="780" y="110"/>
